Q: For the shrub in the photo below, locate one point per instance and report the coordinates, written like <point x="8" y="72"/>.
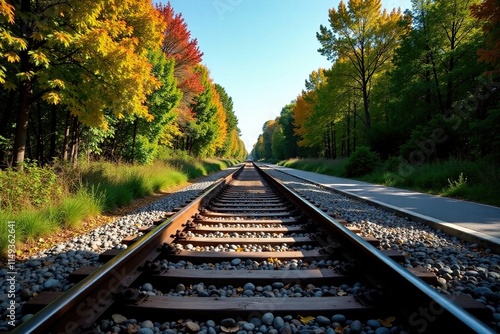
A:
<point x="34" y="187"/>
<point x="362" y="161"/>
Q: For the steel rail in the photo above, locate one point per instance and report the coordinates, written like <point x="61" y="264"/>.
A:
<point x="80" y="306"/>
<point x="430" y="310"/>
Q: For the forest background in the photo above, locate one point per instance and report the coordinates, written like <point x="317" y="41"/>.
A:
<point x="411" y="100"/>
<point x="102" y="102"/>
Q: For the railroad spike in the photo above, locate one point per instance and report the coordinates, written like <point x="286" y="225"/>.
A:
<point x="190" y="224"/>
<point x="152" y="267"/>
<point x="167" y="249"/>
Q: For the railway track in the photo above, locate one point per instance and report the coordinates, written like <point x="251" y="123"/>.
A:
<point x="246" y="248"/>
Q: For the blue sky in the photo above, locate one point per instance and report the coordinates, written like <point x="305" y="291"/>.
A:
<point x="260" y="51"/>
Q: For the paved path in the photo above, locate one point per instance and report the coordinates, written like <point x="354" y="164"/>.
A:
<point x="460" y="217"/>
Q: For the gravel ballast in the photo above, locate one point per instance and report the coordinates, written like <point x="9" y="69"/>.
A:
<point x="461" y="267"/>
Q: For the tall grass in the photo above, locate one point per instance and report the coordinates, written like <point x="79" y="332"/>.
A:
<point x="85" y="203"/>
<point x="477" y="181"/>
<point x="323" y="166"/>
<point x="120" y="184"/>
<point x="43" y="200"/>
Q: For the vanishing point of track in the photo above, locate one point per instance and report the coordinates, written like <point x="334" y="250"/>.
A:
<point x="251" y="217"/>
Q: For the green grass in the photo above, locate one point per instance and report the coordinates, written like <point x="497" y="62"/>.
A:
<point x="93" y="188"/>
<point x="322" y="166"/>
<point x="477" y="181"/>
<point x="86" y="203"/>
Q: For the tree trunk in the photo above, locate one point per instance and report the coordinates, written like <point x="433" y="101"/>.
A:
<point x="66" y="136"/>
<point x="4" y="122"/>
<point x="348" y="132"/>
<point x="40" y="145"/>
<point x="366" y="101"/>
<point x="334" y="141"/>
<point x="25" y="96"/>
<point x="354" y="127"/>
<point x="75" y="141"/>
<point x="134" y="138"/>
<point x="53" y="130"/>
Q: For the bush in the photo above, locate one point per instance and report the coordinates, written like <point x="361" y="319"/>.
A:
<point x="362" y="161"/>
<point x="34" y="187"/>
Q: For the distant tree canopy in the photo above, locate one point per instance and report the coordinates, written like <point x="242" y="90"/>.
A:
<point x="422" y="85"/>
<point x="119" y="79"/>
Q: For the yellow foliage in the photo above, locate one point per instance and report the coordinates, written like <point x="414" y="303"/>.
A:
<point x="52" y="97"/>
<point x="11" y="56"/>
<point x="39" y="58"/>
<point x="7" y="12"/>
<point x="62" y="38"/>
<point x="303" y="110"/>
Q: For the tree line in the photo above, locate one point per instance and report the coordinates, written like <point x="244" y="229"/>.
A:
<point x="420" y="85"/>
<point x="122" y="80"/>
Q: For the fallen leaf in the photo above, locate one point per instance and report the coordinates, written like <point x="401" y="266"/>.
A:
<point x="387" y="322"/>
<point x="305" y="320"/>
<point x="340" y="330"/>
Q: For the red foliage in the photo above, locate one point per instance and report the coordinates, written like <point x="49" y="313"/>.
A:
<point x="177" y="40"/>
<point x="489" y="12"/>
<point x="177" y="44"/>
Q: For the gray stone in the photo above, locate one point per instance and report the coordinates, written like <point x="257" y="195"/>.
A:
<point x="118" y="318"/>
<point x="228" y="322"/>
<point x="373" y="323"/>
<point x="52" y="283"/>
<point x="278" y="285"/>
<point x="340" y="318"/>
<point x="356" y="327"/>
<point x="248" y="326"/>
<point x="382" y="330"/>
<point x="267" y="318"/>
<point x="278" y="322"/>
<point x="322" y="321"/>
<point x="192" y="326"/>
<point x="147" y="324"/>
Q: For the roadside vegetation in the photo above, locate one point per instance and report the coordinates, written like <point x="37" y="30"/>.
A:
<point x="418" y="108"/>
<point x="476" y="181"/>
<point x="43" y="200"/>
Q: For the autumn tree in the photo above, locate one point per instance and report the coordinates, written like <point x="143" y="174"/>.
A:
<point x="367" y="37"/>
<point x="87" y="56"/>
<point x="230" y="146"/>
<point x="178" y="44"/>
<point x="488" y="13"/>
<point x="306" y="128"/>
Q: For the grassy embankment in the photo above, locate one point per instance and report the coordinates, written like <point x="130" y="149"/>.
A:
<point x="477" y="181"/>
<point x="43" y="200"/>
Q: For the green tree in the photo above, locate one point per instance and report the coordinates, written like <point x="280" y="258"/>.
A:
<point x="289" y="138"/>
<point x="278" y="143"/>
<point x="366" y="37"/>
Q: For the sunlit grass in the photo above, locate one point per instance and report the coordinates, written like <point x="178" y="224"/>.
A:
<point x="477" y="181"/>
<point x="96" y="187"/>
